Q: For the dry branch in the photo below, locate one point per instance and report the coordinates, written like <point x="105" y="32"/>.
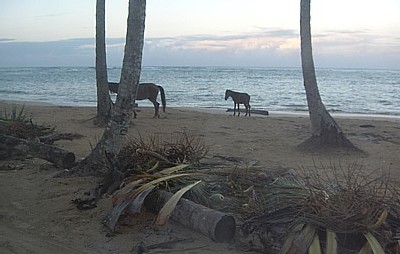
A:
<point x="50" y="139"/>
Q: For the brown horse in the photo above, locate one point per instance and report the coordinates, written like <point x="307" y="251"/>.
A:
<point x="145" y="91"/>
<point x="238" y="98"/>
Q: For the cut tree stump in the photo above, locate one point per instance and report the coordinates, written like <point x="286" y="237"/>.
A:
<point x="16" y="146"/>
<point x="218" y="226"/>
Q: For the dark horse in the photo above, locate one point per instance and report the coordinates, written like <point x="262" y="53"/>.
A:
<point x="238" y="98"/>
<point x="145" y="91"/>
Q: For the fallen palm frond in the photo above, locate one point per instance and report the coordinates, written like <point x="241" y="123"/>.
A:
<point x="331" y="242"/>
<point x="168" y="208"/>
<point x="341" y="202"/>
<point x="177" y="149"/>
<point x="315" y="247"/>
<point x="131" y="197"/>
<point x="146" y="161"/>
<point x="373" y="242"/>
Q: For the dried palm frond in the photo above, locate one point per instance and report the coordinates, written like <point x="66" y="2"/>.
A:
<point x="137" y="187"/>
<point x="179" y="148"/>
<point x="169" y="206"/>
<point x="341" y="201"/>
<point x="346" y="200"/>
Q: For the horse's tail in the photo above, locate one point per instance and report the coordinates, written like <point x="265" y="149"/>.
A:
<point x="163" y="101"/>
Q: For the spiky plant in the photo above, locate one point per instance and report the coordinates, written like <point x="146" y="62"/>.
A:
<point x="326" y="208"/>
<point x="18" y="125"/>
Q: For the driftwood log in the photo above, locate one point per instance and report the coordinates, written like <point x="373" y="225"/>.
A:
<point x="252" y="111"/>
<point x="218" y="226"/>
<point x="13" y="146"/>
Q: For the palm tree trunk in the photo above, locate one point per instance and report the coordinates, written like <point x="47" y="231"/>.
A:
<point x="117" y="128"/>
<point x="325" y="131"/>
<point x="103" y="97"/>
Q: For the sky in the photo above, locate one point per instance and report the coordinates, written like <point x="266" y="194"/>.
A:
<point x="256" y="33"/>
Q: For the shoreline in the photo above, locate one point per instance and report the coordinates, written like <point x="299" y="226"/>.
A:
<point x="211" y="110"/>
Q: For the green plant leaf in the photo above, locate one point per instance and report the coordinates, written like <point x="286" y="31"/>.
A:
<point x="366" y="249"/>
<point x="121" y="193"/>
<point x="373" y="242"/>
<point x="166" y="212"/>
<point x="293" y="234"/>
<point x="331" y="243"/>
<point x="171" y="170"/>
<point x="315" y="248"/>
<point x="136" y="204"/>
<point x="21" y="115"/>
<point x="156" y="165"/>
<point x="299" y="241"/>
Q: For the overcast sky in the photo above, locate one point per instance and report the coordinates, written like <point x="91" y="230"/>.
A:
<point x="346" y="33"/>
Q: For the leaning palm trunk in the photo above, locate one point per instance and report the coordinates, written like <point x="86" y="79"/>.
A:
<point x="117" y="128"/>
<point x="325" y="131"/>
<point x="103" y="96"/>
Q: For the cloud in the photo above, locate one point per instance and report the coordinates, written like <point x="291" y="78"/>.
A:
<point x="51" y="15"/>
<point x="264" y="39"/>
<point x="263" y="47"/>
<point x="53" y="53"/>
<point x="6" y="40"/>
<point x="354" y="43"/>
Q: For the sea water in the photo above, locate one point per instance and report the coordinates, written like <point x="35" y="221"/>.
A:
<point x="274" y="89"/>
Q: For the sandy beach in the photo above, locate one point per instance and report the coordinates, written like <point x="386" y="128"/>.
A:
<point x="37" y="216"/>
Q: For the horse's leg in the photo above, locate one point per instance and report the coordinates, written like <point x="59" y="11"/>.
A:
<point x="133" y="105"/>
<point x="247" y="109"/>
<point x="238" y="109"/>
<point x="156" y="107"/>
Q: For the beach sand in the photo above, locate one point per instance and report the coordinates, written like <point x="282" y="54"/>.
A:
<point x="37" y="216"/>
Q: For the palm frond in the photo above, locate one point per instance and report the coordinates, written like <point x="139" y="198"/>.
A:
<point x="299" y="241"/>
<point x="373" y="242"/>
<point x="131" y="197"/>
<point x="331" y="242"/>
<point x="172" y="170"/>
<point x="315" y="247"/>
<point x="166" y="211"/>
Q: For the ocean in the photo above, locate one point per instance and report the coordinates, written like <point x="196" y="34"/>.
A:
<point x="352" y="91"/>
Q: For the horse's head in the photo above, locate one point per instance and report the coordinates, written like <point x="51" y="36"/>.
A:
<point x="227" y="94"/>
<point x="113" y="87"/>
